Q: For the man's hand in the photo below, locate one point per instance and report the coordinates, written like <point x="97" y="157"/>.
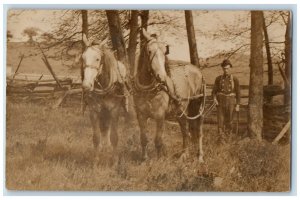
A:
<point x="216" y="101"/>
<point x="237" y="108"/>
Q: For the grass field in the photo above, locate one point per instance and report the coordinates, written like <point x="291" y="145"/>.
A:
<point x="50" y="149"/>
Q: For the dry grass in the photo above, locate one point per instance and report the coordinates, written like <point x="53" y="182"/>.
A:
<point x="52" y="150"/>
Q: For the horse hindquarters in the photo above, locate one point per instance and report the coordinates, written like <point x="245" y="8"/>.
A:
<point x="195" y="126"/>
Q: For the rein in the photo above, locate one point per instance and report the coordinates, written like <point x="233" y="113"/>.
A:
<point x="163" y="86"/>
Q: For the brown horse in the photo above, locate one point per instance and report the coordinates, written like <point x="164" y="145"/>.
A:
<point x="161" y="90"/>
<point x="103" y="83"/>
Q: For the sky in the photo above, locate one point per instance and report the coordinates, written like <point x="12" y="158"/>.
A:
<point x="206" y="25"/>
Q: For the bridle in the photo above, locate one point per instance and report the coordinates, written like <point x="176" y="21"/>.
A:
<point x="99" y="68"/>
<point x="163" y="86"/>
<point x="156" y="85"/>
<point x="150" y="60"/>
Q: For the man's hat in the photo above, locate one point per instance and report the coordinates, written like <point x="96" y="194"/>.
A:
<point x="225" y="63"/>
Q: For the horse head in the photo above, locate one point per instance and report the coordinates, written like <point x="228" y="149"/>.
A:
<point x="156" y="52"/>
<point x="92" y="60"/>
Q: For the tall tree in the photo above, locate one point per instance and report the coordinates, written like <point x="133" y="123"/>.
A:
<point x="85" y="26"/>
<point x="288" y="60"/>
<point x="118" y="44"/>
<point x="267" y="45"/>
<point x="255" y="114"/>
<point x="134" y="27"/>
<point x="144" y="25"/>
<point x="191" y="37"/>
<point x="85" y="30"/>
<point x="116" y="34"/>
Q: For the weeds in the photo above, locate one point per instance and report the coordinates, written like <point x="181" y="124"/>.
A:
<point x="52" y="150"/>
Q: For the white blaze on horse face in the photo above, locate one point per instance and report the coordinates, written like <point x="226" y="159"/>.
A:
<point x="91" y="58"/>
<point x="90" y="75"/>
<point x="157" y="59"/>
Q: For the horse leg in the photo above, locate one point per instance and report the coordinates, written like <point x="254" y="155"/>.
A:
<point x="201" y="153"/>
<point x="194" y="130"/>
<point x="160" y="148"/>
<point x="142" y="119"/>
<point x="105" y="128"/>
<point x="96" y="134"/>
<point x="114" y="129"/>
<point x="96" y="130"/>
<point x="185" y="137"/>
<point x="195" y="127"/>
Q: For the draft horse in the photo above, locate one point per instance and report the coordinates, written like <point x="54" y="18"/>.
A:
<point x="161" y="90"/>
<point x="103" y="84"/>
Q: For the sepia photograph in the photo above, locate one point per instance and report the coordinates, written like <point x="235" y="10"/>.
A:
<point x="148" y="100"/>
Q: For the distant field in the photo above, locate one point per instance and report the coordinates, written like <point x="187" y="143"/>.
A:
<point x="34" y="64"/>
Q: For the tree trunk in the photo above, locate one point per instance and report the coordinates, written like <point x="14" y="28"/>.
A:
<point x="255" y="114"/>
<point x="118" y="44"/>
<point x="134" y="27"/>
<point x="116" y="35"/>
<point x="85" y="30"/>
<point x="85" y="26"/>
<point x="267" y="45"/>
<point x="191" y="37"/>
<point x="144" y="24"/>
<point x="288" y="61"/>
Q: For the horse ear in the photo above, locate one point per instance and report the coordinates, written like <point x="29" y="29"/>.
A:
<point x="146" y="34"/>
<point x="85" y="40"/>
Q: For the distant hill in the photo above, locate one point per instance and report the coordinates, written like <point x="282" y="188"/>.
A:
<point x="33" y="63"/>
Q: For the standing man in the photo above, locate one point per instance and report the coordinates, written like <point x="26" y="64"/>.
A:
<point x="226" y="95"/>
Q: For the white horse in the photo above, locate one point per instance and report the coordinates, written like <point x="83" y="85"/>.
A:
<point x="161" y="89"/>
<point x="103" y="83"/>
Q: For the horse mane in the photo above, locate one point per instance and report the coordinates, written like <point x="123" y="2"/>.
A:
<point x="167" y="66"/>
<point x="109" y="65"/>
<point x="144" y="68"/>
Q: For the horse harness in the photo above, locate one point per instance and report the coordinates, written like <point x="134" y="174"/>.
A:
<point x="110" y="90"/>
<point x="162" y="86"/>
